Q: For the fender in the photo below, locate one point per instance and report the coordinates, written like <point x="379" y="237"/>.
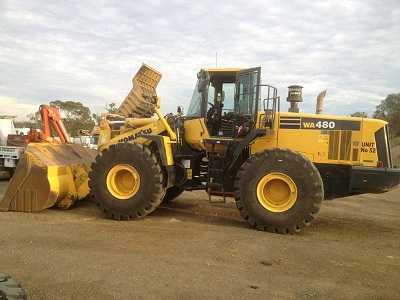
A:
<point x="165" y="149"/>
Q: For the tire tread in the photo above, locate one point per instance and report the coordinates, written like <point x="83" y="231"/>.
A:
<point x="265" y="157"/>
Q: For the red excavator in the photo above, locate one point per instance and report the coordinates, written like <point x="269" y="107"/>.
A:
<point x="51" y="119"/>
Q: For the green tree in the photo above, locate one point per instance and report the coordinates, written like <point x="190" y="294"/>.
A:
<point x="389" y="110"/>
<point x="359" y="114"/>
<point x="111" y="108"/>
<point x="76" y="116"/>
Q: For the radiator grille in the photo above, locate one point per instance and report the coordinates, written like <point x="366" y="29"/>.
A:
<point x="355" y="154"/>
<point x="339" y="145"/>
<point x="333" y="145"/>
<point x="345" y="145"/>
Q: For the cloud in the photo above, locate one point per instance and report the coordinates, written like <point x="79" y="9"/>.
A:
<point x="89" y="50"/>
<point x="11" y="107"/>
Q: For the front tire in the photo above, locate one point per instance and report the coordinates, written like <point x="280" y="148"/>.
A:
<point x="278" y="190"/>
<point x="126" y="181"/>
<point x="172" y="193"/>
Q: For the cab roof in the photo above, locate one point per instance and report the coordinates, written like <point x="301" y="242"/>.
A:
<point x="223" y="74"/>
<point x="223" y="70"/>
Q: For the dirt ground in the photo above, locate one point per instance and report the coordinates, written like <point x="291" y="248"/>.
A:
<point x="196" y="250"/>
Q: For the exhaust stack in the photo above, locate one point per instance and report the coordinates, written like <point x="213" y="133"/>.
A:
<point x="320" y="102"/>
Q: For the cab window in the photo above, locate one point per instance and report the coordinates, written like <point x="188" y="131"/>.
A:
<point x="229" y="97"/>
<point x="195" y="103"/>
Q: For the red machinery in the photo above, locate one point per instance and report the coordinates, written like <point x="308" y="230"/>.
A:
<point x="51" y="119"/>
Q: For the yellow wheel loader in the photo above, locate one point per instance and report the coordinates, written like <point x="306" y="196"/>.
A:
<point x="235" y="141"/>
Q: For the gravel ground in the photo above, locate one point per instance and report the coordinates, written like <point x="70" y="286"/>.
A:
<point x="195" y="250"/>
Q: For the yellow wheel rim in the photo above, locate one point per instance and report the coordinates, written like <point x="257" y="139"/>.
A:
<point x="276" y="192"/>
<point x="123" y="181"/>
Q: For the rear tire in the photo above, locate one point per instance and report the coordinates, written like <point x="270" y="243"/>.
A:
<point x="133" y="201"/>
<point x="11" y="171"/>
<point x="301" y="198"/>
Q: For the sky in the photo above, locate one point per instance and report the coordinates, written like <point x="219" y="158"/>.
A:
<point x="90" y="50"/>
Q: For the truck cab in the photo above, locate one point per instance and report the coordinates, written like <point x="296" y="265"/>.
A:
<point x="9" y="154"/>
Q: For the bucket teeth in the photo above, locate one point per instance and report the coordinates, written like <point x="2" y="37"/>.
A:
<point x="48" y="175"/>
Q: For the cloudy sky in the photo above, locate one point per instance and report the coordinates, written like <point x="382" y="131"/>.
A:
<point x="89" y="50"/>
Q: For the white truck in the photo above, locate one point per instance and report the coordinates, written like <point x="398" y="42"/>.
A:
<point x="9" y="155"/>
<point x="87" y="141"/>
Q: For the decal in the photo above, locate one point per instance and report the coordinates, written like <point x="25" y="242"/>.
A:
<point x="319" y="124"/>
<point x="134" y="136"/>
<point x="290" y="122"/>
<point x="368" y="147"/>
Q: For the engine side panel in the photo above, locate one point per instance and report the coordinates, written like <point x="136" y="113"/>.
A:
<point x="328" y="139"/>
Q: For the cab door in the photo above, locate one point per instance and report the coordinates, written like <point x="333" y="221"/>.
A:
<point x="247" y="92"/>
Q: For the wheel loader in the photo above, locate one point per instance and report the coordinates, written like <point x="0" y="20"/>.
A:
<point x="234" y="141"/>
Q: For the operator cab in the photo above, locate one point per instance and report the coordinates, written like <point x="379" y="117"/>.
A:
<point x="222" y="119"/>
<point x="228" y="100"/>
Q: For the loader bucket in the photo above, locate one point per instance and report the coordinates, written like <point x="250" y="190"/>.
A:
<point x="48" y="175"/>
<point x="142" y="99"/>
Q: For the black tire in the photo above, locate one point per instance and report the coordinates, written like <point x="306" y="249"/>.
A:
<point x="151" y="190"/>
<point x="11" y="171"/>
<point x="10" y="289"/>
<point x="172" y="193"/>
<point x="304" y="174"/>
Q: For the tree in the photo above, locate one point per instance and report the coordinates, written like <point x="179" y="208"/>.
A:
<point x="389" y="110"/>
<point x="359" y="114"/>
<point x="76" y="116"/>
<point x="111" y="108"/>
<point x="96" y="118"/>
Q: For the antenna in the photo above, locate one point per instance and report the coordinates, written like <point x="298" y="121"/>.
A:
<point x="216" y="59"/>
